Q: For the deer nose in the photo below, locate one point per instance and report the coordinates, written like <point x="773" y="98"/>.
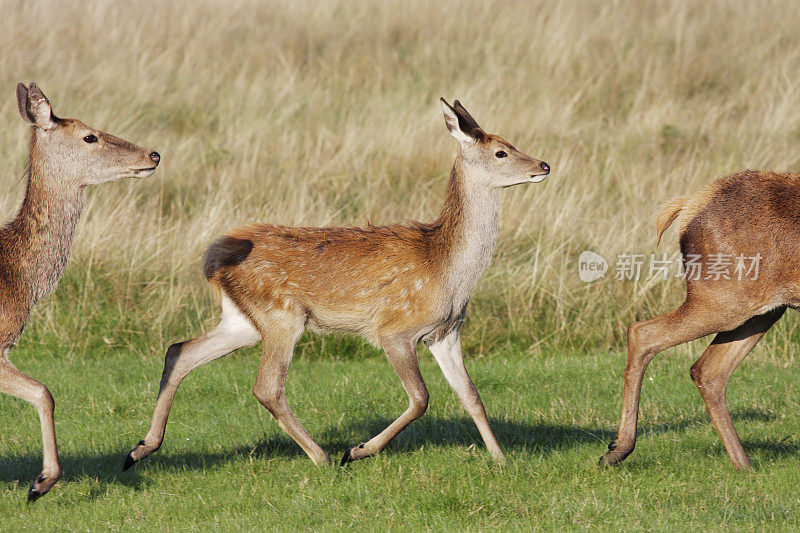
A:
<point x="155" y="156"/>
<point x="544" y="166"/>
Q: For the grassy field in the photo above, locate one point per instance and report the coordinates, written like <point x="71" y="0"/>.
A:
<point x="226" y="463"/>
<point x="319" y="113"/>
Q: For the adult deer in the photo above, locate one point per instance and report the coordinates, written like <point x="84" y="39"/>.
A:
<point x="66" y="155"/>
<point x="750" y="216"/>
<point x="394" y="285"/>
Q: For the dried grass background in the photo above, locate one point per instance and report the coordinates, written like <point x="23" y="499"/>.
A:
<point x="314" y="113"/>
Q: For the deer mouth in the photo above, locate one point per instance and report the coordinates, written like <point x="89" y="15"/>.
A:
<point x="544" y="169"/>
<point x="143" y="172"/>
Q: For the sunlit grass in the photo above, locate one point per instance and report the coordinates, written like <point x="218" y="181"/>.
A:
<point x="226" y="463"/>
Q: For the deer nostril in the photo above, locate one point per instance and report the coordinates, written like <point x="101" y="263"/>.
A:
<point x="544" y="166"/>
<point x="155" y="157"/>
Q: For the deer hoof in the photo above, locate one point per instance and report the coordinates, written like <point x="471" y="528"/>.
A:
<point x="352" y="454"/>
<point x="607" y="459"/>
<point x="34" y="494"/>
<point x="614" y="457"/>
<point x="40" y="486"/>
<point x="130" y="460"/>
<point x="345" y="458"/>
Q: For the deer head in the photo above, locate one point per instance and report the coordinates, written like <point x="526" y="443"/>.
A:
<point x="494" y="162"/>
<point x="75" y="154"/>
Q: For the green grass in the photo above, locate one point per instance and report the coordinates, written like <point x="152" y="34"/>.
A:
<point x="226" y="463"/>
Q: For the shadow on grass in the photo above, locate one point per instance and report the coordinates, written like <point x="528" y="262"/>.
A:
<point x="771" y="448"/>
<point x="536" y="438"/>
<point x="539" y="438"/>
<point x="430" y="430"/>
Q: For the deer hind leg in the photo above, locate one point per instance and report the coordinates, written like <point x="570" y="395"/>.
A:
<point x="646" y="339"/>
<point x="447" y="353"/>
<point x="280" y="331"/>
<point x="234" y="331"/>
<point x="402" y="354"/>
<point x="713" y="369"/>
<point x="15" y="383"/>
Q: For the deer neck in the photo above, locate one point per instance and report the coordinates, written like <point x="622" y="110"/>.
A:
<point x="43" y="230"/>
<point x="467" y="230"/>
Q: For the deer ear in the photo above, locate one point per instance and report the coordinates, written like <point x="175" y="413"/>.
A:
<point x="464" y="116"/>
<point x="22" y="102"/>
<point x="34" y="107"/>
<point x="460" y="124"/>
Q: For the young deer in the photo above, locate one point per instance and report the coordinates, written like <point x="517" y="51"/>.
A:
<point x="748" y="215"/>
<point x="394" y="285"/>
<point x="65" y="156"/>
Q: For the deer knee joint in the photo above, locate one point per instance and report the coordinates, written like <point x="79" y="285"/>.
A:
<point x="702" y="379"/>
<point x="696" y="374"/>
<point x="419" y="404"/>
<point x="269" y="397"/>
<point x="633" y="334"/>
<point x="711" y="386"/>
<point x="637" y="354"/>
<point x="44" y="400"/>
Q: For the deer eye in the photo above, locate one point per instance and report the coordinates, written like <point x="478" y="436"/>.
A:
<point x="90" y="139"/>
<point x="500" y="154"/>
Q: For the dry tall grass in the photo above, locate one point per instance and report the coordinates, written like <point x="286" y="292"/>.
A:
<point x="326" y="113"/>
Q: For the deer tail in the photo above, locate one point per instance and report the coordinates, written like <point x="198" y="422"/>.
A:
<point x="668" y="214"/>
